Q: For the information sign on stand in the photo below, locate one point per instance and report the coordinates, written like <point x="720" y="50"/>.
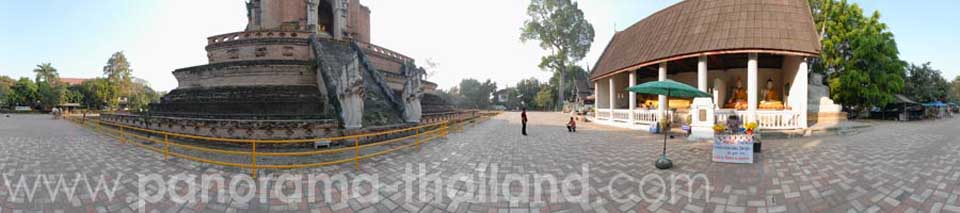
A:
<point x="737" y="148"/>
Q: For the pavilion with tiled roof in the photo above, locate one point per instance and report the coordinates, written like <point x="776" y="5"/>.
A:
<point x="714" y="46"/>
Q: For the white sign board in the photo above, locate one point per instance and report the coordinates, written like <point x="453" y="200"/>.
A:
<point x="733" y="148"/>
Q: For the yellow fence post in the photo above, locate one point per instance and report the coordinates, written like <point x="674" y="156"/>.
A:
<point x="123" y="139"/>
<point x="166" y="147"/>
<point x="418" y="139"/>
<point x="98" y="125"/>
<point x="356" y="153"/>
<point x="253" y="159"/>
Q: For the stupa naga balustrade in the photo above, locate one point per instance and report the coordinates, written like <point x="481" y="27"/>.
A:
<point x="373" y="49"/>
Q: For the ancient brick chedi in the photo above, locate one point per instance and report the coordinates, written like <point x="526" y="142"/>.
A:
<point x="300" y="60"/>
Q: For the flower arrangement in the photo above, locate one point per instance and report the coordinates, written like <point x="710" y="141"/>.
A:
<point x="750" y="127"/>
<point x="719" y="128"/>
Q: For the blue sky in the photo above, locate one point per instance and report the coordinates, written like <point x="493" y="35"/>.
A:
<point x="467" y="39"/>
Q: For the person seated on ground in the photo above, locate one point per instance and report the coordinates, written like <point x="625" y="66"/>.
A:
<point x="571" y="125"/>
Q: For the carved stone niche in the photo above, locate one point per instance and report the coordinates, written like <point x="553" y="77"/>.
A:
<point x="261" y="52"/>
<point x="233" y="53"/>
<point x="288" y="51"/>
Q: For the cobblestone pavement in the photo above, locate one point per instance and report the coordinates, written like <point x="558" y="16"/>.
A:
<point x="891" y="167"/>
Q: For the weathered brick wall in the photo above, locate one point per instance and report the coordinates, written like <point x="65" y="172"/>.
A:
<point x="277" y="13"/>
<point x="251" y="46"/>
<point x="359" y="24"/>
<point x="384" y="64"/>
<point x="241" y="74"/>
<point x="231" y="128"/>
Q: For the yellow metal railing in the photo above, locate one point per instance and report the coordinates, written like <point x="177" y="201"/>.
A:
<point x="421" y="134"/>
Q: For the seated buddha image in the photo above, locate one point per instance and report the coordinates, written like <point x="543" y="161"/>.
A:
<point x="771" y="99"/>
<point x="738" y="100"/>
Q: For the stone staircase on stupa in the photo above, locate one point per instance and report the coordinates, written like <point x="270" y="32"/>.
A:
<point x="344" y="71"/>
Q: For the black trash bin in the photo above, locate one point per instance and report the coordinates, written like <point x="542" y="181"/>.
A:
<point x="757" y="145"/>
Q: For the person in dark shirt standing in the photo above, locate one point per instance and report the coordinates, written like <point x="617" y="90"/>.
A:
<point x="523" y="120"/>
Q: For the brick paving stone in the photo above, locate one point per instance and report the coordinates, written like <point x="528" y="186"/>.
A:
<point x="889" y="167"/>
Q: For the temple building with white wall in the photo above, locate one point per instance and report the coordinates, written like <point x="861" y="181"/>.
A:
<point x="752" y="55"/>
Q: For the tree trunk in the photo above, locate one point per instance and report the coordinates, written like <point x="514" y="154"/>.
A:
<point x="560" y="89"/>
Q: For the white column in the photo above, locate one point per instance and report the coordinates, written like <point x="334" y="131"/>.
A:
<point x="662" y="99"/>
<point x="802" y="108"/>
<point x="596" y="97"/>
<point x="613" y="97"/>
<point x="702" y="73"/>
<point x="751" y="87"/>
<point x="633" y="95"/>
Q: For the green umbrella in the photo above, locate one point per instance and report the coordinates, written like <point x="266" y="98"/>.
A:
<point x="667" y="88"/>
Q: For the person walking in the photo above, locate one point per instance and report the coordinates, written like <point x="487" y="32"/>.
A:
<point x="523" y="121"/>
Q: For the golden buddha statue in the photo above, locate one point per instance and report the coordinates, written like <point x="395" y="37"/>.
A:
<point x="738" y="99"/>
<point x="771" y="100"/>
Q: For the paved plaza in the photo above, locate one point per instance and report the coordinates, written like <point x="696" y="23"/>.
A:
<point x="889" y="167"/>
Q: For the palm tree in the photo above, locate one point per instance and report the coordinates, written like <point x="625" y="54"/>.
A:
<point x="46" y="72"/>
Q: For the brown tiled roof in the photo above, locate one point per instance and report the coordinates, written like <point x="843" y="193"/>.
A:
<point x="700" y="26"/>
<point x="73" y="81"/>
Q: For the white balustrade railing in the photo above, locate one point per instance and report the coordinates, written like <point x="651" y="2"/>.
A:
<point x="778" y="119"/>
<point x="722" y="115"/>
<point x="640" y="116"/>
<point x="645" y="116"/>
<point x="765" y="119"/>
<point x="603" y="114"/>
<point x="621" y="115"/>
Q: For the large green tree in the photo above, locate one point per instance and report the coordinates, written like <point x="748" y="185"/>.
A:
<point x="51" y="92"/>
<point x="451" y="96"/>
<point x="925" y="84"/>
<point x="561" y="28"/>
<point x="74" y="94"/>
<point x="24" y="93"/>
<point x="6" y="88"/>
<point x="527" y="90"/>
<point x="119" y="76"/>
<point x="97" y="93"/>
<point x="141" y="96"/>
<point x="574" y="73"/>
<point x="859" y="55"/>
<point x="545" y="98"/>
<point x="476" y="94"/>
<point x="46" y="73"/>
<point x="955" y="89"/>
